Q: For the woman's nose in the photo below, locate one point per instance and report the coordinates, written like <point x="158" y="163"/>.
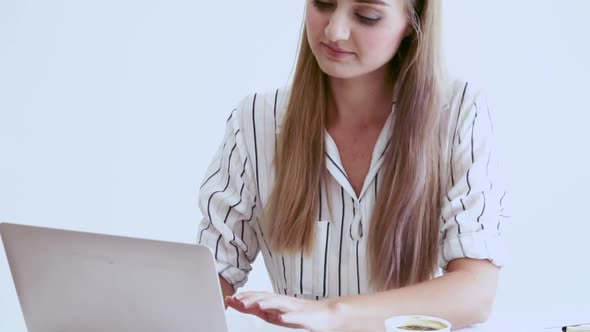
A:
<point x="338" y="27"/>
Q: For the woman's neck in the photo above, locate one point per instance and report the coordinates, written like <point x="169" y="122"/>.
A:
<point x="360" y="102"/>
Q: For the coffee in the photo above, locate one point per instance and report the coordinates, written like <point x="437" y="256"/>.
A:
<point x="416" y="328"/>
<point x="416" y="323"/>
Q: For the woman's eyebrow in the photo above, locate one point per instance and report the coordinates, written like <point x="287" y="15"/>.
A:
<point x="374" y="2"/>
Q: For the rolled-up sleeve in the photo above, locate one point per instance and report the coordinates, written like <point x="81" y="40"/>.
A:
<point x="473" y="201"/>
<point x="227" y="200"/>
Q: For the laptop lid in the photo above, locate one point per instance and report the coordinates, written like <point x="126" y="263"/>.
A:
<point x="76" y="281"/>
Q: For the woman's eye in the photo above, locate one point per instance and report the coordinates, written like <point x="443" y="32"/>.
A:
<point x="368" y="20"/>
<point x="326" y="6"/>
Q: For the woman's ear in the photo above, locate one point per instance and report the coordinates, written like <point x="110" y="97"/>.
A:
<point x="409" y="31"/>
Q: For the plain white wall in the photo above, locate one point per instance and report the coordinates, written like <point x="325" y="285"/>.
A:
<point x="110" y="112"/>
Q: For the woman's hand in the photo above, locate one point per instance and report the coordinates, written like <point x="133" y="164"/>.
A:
<point x="286" y="311"/>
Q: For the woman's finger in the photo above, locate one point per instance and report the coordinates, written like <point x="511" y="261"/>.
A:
<point x="279" y="303"/>
<point x="251" y="310"/>
<point x="272" y="311"/>
<point x="249" y="298"/>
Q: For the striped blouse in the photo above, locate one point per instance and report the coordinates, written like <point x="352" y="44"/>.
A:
<point x="239" y="180"/>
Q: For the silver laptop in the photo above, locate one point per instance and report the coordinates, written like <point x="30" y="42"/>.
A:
<point x="73" y="281"/>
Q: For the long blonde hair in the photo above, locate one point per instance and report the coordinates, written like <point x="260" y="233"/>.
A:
<point x="403" y="234"/>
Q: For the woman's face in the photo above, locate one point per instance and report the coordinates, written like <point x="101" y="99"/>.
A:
<point x="350" y="38"/>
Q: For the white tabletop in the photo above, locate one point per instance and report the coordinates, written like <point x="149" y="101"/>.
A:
<point x="502" y="321"/>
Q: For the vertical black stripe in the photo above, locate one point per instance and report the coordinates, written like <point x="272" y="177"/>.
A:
<point x="352" y="223"/>
<point x="482" y="209"/>
<point x="284" y="273"/>
<point x="341" y="239"/>
<point x="233" y="241"/>
<point x="358" y="279"/>
<point x="242" y="237"/>
<point x="472" y="134"/>
<point x="358" y="275"/>
<point x="458" y="225"/>
<point x="248" y="221"/>
<point x="456" y="132"/>
<point x="301" y="274"/>
<point x="217" y="246"/>
<point x="320" y="209"/>
<point x="255" y="145"/>
<point x="275" y="118"/>
<point x="376" y="182"/>
<point x="444" y="222"/>
<point x="460" y="106"/>
<point x="276" y="151"/>
<point x="326" y="258"/>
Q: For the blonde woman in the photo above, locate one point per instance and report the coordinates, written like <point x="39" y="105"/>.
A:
<point x="370" y="184"/>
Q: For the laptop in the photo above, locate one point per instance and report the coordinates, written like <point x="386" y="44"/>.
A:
<point x="70" y="281"/>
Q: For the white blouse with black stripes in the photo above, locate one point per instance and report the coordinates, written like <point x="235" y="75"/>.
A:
<point x="240" y="178"/>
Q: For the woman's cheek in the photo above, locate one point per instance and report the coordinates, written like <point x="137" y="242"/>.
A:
<point x="314" y="22"/>
<point x="381" y="44"/>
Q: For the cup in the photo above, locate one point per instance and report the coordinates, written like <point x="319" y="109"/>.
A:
<point x="416" y="323"/>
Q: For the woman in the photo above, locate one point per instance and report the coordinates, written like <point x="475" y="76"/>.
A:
<point x="370" y="184"/>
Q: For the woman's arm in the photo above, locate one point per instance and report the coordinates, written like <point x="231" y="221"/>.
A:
<point x="226" y="288"/>
<point x="463" y="296"/>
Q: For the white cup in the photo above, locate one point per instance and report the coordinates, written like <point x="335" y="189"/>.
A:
<point x="397" y="324"/>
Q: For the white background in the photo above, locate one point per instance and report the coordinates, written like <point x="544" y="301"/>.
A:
<point x="110" y="112"/>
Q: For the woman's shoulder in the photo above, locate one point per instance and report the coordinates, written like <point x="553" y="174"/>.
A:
<point x="463" y="100"/>
<point x="264" y="101"/>
<point x="263" y="108"/>
<point x="459" y="93"/>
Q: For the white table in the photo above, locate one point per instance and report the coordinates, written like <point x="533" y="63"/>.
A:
<point x="501" y="321"/>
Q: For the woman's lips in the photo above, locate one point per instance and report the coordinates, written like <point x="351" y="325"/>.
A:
<point x="336" y="52"/>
